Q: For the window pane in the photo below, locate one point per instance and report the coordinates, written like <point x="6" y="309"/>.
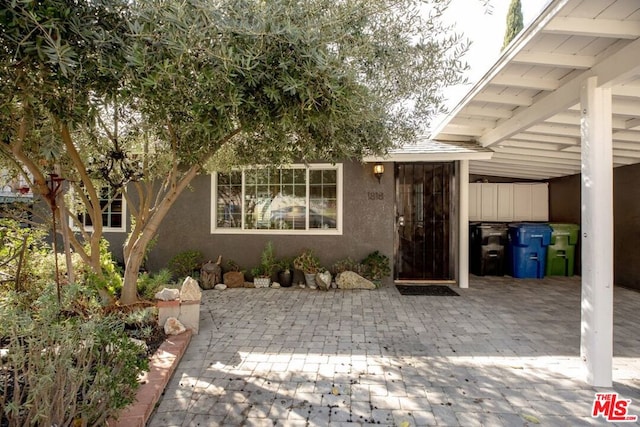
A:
<point x="322" y="199"/>
<point x="229" y="202"/>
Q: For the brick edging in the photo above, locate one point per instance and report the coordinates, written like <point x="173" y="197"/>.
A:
<point x="162" y="365"/>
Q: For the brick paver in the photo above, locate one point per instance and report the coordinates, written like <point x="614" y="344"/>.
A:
<point x="503" y="353"/>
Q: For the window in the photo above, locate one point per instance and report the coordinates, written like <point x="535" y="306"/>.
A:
<point x="113" y="208"/>
<point x="293" y="200"/>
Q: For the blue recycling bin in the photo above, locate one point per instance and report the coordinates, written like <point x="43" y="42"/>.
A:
<point x="528" y="249"/>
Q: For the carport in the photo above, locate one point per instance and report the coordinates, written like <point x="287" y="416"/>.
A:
<point x="563" y="99"/>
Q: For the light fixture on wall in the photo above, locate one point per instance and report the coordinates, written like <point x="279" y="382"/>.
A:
<point x="378" y="171"/>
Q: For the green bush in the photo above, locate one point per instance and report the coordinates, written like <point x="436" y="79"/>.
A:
<point x="376" y="266"/>
<point x="149" y="284"/>
<point x="186" y="263"/>
<point x="12" y="239"/>
<point x="68" y="365"/>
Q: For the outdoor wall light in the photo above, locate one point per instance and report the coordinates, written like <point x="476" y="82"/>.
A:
<point x="378" y="171"/>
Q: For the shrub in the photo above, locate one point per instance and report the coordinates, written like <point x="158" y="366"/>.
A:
<point x="307" y="261"/>
<point x="111" y="279"/>
<point x="186" y="263"/>
<point x="376" y="266"/>
<point x="149" y="284"/>
<point x="67" y="365"/>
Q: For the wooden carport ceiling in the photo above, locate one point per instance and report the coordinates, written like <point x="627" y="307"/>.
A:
<point x="527" y="107"/>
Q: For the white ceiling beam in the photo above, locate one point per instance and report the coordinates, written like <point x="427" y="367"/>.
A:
<point x="561" y="130"/>
<point x="481" y="123"/>
<point x="555" y="60"/>
<point x="627" y="153"/>
<point x="612" y="28"/>
<point x="450" y="137"/>
<point x="625" y="91"/>
<point x="626" y="145"/>
<point x="626" y="136"/>
<point x="525" y="164"/>
<point x="510" y="172"/>
<point x="496" y="113"/>
<point x="552" y="139"/>
<point x="622" y="107"/>
<point x="494" y="98"/>
<point x="632" y="124"/>
<point x="534" y="159"/>
<point x="460" y="129"/>
<point x="530" y="144"/>
<point x="525" y="82"/>
<point x="565" y="118"/>
<point x="537" y="153"/>
<point x="618" y="65"/>
<point x="623" y="161"/>
<point x="618" y="153"/>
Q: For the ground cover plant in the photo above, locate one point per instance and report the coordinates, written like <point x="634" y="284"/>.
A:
<point x="67" y="360"/>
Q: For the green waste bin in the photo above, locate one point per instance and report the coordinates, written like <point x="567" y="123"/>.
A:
<point x="561" y="252"/>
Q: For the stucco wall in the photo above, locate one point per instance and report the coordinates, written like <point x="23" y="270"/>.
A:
<point x="368" y="217"/>
<point x="564" y="206"/>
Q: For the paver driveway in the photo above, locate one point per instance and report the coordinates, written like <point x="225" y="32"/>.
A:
<point x="503" y="353"/>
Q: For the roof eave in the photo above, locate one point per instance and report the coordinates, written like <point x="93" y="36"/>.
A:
<point x="516" y="45"/>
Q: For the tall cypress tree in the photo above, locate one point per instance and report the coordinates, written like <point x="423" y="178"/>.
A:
<point x="514" y="22"/>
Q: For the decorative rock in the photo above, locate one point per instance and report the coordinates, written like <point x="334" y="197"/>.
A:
<point x="275" y="285"/>
<point x="351" y="280"/>
<point x="173" y="326"/>
<point x="302" y="285"/>
<point x="323" y="280"/>
<point x="249" y="285"/>
<point x="190" y="290"/>
<point x="220" y="287"/>
<point x="234" y="279"/>
<point x="168" y="294"/>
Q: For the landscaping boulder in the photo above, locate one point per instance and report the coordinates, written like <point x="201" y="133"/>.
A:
<point x="190" y="290"/>
<point x="173" y="326"/>
<point x="352" y="280"/>
<point x="168" y="294"/>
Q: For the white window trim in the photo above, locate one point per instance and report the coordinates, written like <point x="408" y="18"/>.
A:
<point x="89" y="228"/>
<point x="289" y="232"/>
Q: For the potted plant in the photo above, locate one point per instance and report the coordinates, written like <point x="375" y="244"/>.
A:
<point x="285" y="275"/>
<point x="309" y="264"/>
<point x="262" y="273"/>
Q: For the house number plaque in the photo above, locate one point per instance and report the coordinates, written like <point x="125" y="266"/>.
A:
<point x="375" y="195"/>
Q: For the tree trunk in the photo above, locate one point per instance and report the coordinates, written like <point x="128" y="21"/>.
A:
<point x="132" y="267"/>
<point x="136" y="246"/>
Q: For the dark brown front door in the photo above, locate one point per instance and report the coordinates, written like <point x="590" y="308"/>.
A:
<point x="423" y="195"/>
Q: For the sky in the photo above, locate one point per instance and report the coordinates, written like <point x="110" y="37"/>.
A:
<point x="486" y="33"/>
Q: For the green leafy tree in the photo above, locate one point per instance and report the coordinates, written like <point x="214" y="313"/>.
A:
<point x="172" y="89"/>
<point x="514" y="22"/>
<point x="57" y="57"/>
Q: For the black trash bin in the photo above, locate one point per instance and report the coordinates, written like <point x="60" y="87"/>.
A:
<point x="487" y="248"/>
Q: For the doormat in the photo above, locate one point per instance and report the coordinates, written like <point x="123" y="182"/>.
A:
<point x="430" y="290"/>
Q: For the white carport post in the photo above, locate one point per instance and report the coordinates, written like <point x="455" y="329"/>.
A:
<point x="596" y="343"/>
<point x="463" y="224"/>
